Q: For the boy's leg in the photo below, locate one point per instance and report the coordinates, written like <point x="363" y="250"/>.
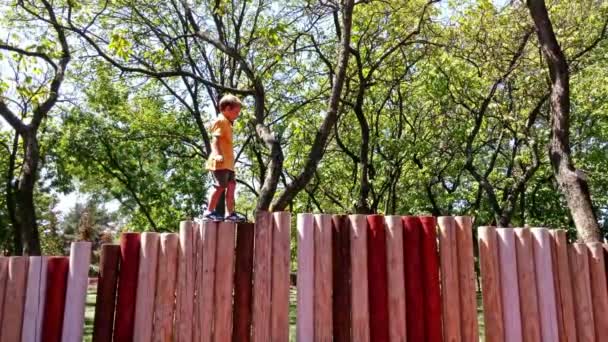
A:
<point x="221" y="182"/>
<point x="230" y="188"/>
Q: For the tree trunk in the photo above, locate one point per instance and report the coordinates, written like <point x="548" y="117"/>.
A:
<point x="10" y="199"/>
<point x="322" y="136"/>
<point x="26" y="213"/>
<point x="572" y="183"/>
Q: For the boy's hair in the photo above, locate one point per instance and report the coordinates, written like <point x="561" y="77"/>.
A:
<point x="228" y="100"/>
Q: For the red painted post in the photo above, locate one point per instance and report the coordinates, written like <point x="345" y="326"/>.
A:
<point x="106" y="293"/>
<point x="430" y="265"/>
<point x="341" y="277"/>
<point x="414" y="293"/>
<point x="56" y="285"/>
<point x="378" y="290"/>
<point x="243" y="277"/>
<point x="124" y="320"/>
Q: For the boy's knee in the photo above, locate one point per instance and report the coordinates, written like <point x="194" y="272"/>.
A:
<point x="219" y="187"/>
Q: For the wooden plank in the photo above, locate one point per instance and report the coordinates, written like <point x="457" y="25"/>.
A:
<point x="450" y="284"/>
<point x="306" y="255"/>
<point x="490" y="283"/>
<point x="206" y="286"/>
<point x="467" y="278"/>
<point x="526" y="276"/>
<point x="224" y="282"/>
<point x="545" y="286"/>
<point x="166" y="283"/>
<point x="146" y="286"/>
<point x="431" y="283"/>
<point x="599" y="290"/>
<point x="507" y="255"/>
<point x="262" y="277"/>
<point x="558" y="293"/>
<point x="414" y="292"/>
<point x="243" y="279"/>
<point x="184" y="310"/>
<point x="14" y="298"/>
<point x="106" y="293"/>
<point x="395" y="279"/>
<point x="581" y="283"/>
<point x="281" y="252"/>
<point x="378" y="278"/>
<point x="198" y="280"/>
<point x="561" y="269"/>
<point x="56" y="285"/>
<point x="341" y="278"/>
<point x="323" y="278"/>
<point x="3" y="278"/>
<point x="359" y="285"/>
<point x="127" y="287"/>
<point x="34" y="300"/>
<point x="76" y="292"/>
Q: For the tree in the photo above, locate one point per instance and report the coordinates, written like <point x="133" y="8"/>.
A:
<point x="572" y="182"/>
<point x="32" y="97"/>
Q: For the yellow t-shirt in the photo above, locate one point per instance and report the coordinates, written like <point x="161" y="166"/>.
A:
<point x="221" y="129"/>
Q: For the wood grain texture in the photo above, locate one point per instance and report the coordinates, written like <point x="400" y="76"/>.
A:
<point x="186" y="273"/>
<point x="76" y="292"/>
<point x="166" y="278"/>
<point x="105" y="301"/>
<point x="599" y="290"/>
<point x="395" y="279"/>
<point x="14" y="298"/>
<point x="545" y="285"/>
<point x="224" y="282"/>
<point x="281" y="259"/>
<point x="323" y="278"/>
<point x="466" y="271"/>
<point x="262" y="277"/>
<point x="581" y="283"/>
<point x="450" y="284"/>
<point x="146" y="286"/>
<point x="561" y="268"/>
<point x="526" y="274"/>
<point x="243" y="281"/>
<point x="306" y="255"/>
<point x="359" y="277"/>
<point x="507" y="255"/>
<point x="490" y="282"/>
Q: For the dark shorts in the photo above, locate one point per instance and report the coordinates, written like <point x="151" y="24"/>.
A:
<point x="223" y="177"/>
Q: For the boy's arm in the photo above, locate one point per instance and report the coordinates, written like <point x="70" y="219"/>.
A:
<point x="215" y="150"/>
<point x="216" y="132"/>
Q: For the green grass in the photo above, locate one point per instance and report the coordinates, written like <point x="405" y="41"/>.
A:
<point x="89" y="313"/>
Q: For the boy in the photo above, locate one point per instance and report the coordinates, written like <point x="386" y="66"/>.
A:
<point x="221" y="160"/>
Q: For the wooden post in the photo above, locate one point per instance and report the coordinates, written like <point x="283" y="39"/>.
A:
<point x="581" y="282"/>
<point x="562" y="275"/>
<point x="507" y="255"/>
<point x="3" y="278"/>
<point x="281" y="235"/>
<point x="56" y="285"/>
<point x="545" y="286"/>
<point x="323" y="278"/>
<point x="14" y="298"/>
<point x="395" y="279"/>
<point x="206" y="285"/>
<point x="526" y="275"/>
<point x="359" y="283"/>
<point x="376" y="268"/>
<point x="33" y="311"/>
<point x="106" y="293"/>
<point x="127" y="287"/>
<point x="467" y="278"/>
<point x="243" y="279"/>
<point x="306" y="255"/>
<point x="224" y="277"/>
<point x="599" y="290"/>
<point x="414" y="292"/>
<point x="184" y="311"/>
<point x="490" y="281"/>
<point x="430" y="262"/>
<point x="341" y="278"/>
<point x="450" y="285"/>
<point x="262" y="277"/>
<point x="146" y="286"/>
<point x="166" y="276"/>
<point x="76" y="292"/>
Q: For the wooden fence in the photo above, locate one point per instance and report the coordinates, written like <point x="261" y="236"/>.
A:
<point x="204" y="284"/>
<point x="359" y="278"/>
<point x="43" y="298"/>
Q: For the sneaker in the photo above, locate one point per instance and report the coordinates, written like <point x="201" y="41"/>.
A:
<point x="213" y="216"/>
<point x="234" y="217"/>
